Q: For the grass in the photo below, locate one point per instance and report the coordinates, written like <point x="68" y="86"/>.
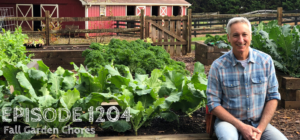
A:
<point x="201" y="38"/>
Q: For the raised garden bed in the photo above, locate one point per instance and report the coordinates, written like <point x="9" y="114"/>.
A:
<point x="55" y="56"/>
<point x="289" y="88"/>
<point x="207" y="54"/>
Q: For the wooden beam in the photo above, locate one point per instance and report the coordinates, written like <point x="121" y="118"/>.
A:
<point x="279" y="15"/>
<point x="22" y="18"/>
<point x="200" y="136"/>
<point x="167" y="31"/>
<point x="121" y="18"/>
<point x="189" y="28"/>
<point x="169" y="43"/>
<point x="166" y="18"/>
<point x="120" y="30"/>
<point x="34" y="32"/>
<point x="207" y="29"/>
<point x="231" y="16"/>
<point x="47" y="27"/>
<point x="142" y="24"/>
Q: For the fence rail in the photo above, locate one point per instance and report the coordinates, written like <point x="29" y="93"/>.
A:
<point x="215" y="24"/>
<point x="120" y="21"/>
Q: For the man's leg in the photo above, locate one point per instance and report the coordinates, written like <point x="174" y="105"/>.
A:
<point x="272" y="133"/>
<point x="225" y="130"/>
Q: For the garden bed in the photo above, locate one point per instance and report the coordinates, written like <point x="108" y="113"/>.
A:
<point x="207" y="54"/>
<point x="55" y="56"/>
<point x="289" y="90"/>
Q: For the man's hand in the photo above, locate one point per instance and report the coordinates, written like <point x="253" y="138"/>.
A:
<point x="249" y="132"/>
<point x="256" y="136"/>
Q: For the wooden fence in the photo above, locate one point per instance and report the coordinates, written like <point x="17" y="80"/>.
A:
<point x="49" y="19"/>
<point x="216" y="24"/>
<point x="172" y="33"/>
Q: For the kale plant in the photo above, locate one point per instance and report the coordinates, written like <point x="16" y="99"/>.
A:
<point x="140" y="57"/>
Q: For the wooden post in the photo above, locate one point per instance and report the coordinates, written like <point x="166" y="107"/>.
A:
<point x="47" y="28"/>
<point x="147" y="31"/>
<point x="118" y="22"/>
<point x="189" y="49"/>
<point x="142" y="19"/>
<point x="279" y="15"/>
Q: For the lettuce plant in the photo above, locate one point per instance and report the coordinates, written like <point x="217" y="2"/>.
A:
<point x="12" y="49"/>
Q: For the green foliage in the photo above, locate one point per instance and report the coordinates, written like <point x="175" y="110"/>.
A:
<point x="290" y="4"/>
<point x="12" y="49"/>
<point x="240" y="6"/>
<point x="282" y="43"/>
<point x="145" y="97"/>
<point x="139" y="56"/>
<point x="220" y="41"/>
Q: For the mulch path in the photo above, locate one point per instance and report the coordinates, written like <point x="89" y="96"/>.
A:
<point x="286" y="120"/>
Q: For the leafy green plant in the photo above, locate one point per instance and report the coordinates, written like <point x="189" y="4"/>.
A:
<point x="138" y="55"/>
<point x="150" y="97"/>
<point x="145" y="97"/>
<point x="12" y="49"/>
<point x="40" y="89"/>
<point x="220" y="41"/>
<point x="282" y="43"/>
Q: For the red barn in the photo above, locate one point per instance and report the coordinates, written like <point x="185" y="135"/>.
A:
<point x="92" y="8"/>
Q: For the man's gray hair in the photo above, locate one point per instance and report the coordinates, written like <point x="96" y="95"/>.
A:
<point x="236" y="20"/>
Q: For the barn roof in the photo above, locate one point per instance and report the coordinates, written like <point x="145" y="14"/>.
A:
<point x="136" y="2"/>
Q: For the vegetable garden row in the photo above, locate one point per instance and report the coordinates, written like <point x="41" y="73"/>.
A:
<point x="143" y="79"/>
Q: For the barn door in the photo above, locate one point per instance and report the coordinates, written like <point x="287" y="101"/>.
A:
<point x="25" y="10"/>
<point x="163" y="12"/>
<point x="53" y="11"/>
<point x="139" y="10"/>
<point x="180" y="10"/>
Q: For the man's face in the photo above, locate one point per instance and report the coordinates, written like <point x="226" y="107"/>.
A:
<point x="240" y="37"/>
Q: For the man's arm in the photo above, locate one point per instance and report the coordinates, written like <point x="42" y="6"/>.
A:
<point x="246" y="130"/>
<point x="267" y="115"/>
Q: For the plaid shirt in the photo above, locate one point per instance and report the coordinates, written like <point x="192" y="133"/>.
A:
<point x="243" y="92"/>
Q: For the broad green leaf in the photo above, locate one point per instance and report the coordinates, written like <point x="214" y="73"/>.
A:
<point x="46" y="101"/>
<point x="68" y="82"/>
<point x="10" y="73"/>
<point x="75" y="66"/>
<point x="26" y="84"/>
<point x="23" y="136"/>
<point x="55" y="84"/>
<point x="118" y="81"/>
<point x="43" y="67"/>
<point x="85" y="134"/>
<point x="112" y="71"/>
<point x="101" y="79"/>
<point x="119" y="126"/>
<point x="70" y="97"/>
<point x="198" y="67"/>
<point x="60" y="71"/>
<point x="146" y="100"/>
<point x="173" y="80"/>
<point x="37" y="79"/>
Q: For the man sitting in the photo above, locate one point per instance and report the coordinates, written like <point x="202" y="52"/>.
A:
<point x="242" y="89"/>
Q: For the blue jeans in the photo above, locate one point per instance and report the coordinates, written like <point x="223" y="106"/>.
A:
<point x="226" y="131"/>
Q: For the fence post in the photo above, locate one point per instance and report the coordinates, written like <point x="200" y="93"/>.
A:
<point x="279" y="15"/>
<point x="189" y="41"/>
<point x="47" y="28"/>
<point x="142" y="19"/>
